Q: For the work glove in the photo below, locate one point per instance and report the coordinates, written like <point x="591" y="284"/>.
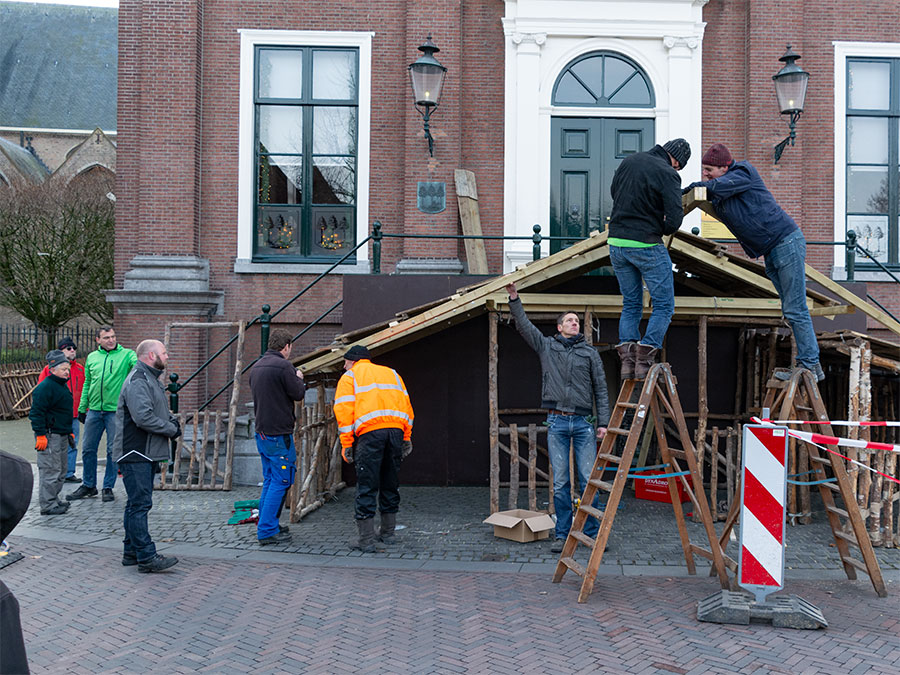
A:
<point x="177" y="430"/>
<point x="690" y="187"/>
<point x="347" y="453"/>
<point x="40" y="443"/>
<point x="71" y="440"/>
<point x="405" y="449"/>
<point x="82" y="416"/>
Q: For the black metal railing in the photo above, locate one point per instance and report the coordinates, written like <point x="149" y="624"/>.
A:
<point x="21" y="343"/>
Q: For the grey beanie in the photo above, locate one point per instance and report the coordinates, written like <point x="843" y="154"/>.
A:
<point x="680" y="150"/>
<point x="55" y="358"/>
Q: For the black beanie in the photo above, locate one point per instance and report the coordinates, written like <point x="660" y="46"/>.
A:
<point x="680" y="151"/>
<point x="357" y="352"/>
<point x="66" y="342"/>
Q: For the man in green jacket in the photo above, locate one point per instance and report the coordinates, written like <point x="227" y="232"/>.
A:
<point x="105" y="370"/>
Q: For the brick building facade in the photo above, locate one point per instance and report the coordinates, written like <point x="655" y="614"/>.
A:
<point x="224" y="110"/>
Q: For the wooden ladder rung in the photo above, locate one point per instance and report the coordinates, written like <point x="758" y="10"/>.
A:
<point x="618" y="431"/>
<point x="840" y="512"/>
<point x="572" y="565"/>
<point x="834" y="487"/>
<point x="626" y="404"/>
<point x="820" y="460"/>
<point x="597" y="483"/>
<point x="591" y="511"/>
<point x="853" y="562"/>
<point x="612" y="459"/>
<point x="850" y="539"/>
<point x="582" y="537"/>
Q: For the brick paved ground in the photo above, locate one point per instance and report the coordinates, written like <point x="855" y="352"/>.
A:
<point x="85" y="613"/>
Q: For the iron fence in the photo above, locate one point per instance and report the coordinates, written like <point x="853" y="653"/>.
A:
<point x="20" y="343"/>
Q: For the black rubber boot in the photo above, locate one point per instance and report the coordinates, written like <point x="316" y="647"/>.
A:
<point x="366" y="531"/>
<point x="388" y="525"/>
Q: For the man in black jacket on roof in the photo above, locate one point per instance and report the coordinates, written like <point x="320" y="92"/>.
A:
<point x="646" y="192"/>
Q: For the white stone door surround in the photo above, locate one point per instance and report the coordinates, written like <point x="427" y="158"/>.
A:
<point x="664" y="37"/>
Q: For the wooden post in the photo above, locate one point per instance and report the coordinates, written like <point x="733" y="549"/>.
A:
<point x="513" y="499"/>
<point x="494" y="421"/>
<point x="853" y="412"/>
<point x="214" y="478"/>
<point x="730" y="473"/>
<point x="714" y="474"/>
<point x="532" y="467"/>
<point x="702" y="402"/>
<point x="232" y="408"/>
<point x="739" y="385"/>
<point x="196" y="434"/>
<point x="887" y="504"/>
<point x="201" y="457"/>
<point x="866" y="478"/>
<point x="470" y="221"/>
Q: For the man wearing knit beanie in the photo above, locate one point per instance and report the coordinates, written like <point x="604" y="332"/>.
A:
<point x="747" y="208"/>
<point x="75" y="385"/>
<point x="646" y="192"/>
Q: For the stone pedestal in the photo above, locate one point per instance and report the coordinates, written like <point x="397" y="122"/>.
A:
<point x="429" y="266"/>
<point x="163" y="284"/>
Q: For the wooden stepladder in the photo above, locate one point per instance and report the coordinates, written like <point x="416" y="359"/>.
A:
<point x="658" y="399"/>
<point x="799" y="399"/>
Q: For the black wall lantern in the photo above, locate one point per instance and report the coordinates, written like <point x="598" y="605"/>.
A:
<point x="790" y="88"/>
<point x="427" y="77"/>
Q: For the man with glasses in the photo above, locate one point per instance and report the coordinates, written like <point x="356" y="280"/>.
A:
<point x="105" y="370"/>
<point x="75" y="384"/>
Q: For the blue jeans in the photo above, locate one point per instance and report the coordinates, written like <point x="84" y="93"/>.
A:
<point x="563" y="429"/>
<point x="279" y="459"/>
<point x="785" y="267"/>
<point x="138" y="480"/>
<point x="635" y="267"/>
<point x="72" y="455"/>
<point x="94" y="425"/>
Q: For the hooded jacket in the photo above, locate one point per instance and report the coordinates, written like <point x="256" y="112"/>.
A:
<point x="75" y="383"/>
<point x="104" y="372"/>
<point x="646" y="192"/>
<point x="144" y="424"/>
<point x="572" y="378"/>
<point x="51" y="406"/>
<point x="747" y="208"/>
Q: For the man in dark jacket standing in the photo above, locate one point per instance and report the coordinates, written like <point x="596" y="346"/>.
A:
<point x="646" y="192"/>
<point x="276" y="386"/>
<point x="144" y="429"/>
<point x="76" y="383"/>
<point x="573" y="386"/>
<point x="51" y="421"/>
<point x="747" y="208"/>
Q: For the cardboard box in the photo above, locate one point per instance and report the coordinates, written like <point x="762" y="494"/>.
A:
<point x="521" y="525"/>
<point x="657" y="489"/>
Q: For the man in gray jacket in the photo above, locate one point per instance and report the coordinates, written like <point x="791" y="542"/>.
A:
<point x="573" y="390"/>
<point x="144" y="427"/>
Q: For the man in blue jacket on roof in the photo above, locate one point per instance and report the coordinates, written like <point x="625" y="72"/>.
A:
<point x="747" y="208"/>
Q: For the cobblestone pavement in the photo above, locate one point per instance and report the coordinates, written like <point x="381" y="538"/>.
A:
<point x="441" y="524"/>
<point x="84" y="613"/>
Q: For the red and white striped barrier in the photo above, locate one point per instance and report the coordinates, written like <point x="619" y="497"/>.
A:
<point x="839" y="423"/>
<point x="810" y="437"/>
<point x="763" y="490"/>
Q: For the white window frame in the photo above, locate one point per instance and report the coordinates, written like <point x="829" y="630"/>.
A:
<point x="842" y="52"/>
<point x="246" y="218"/>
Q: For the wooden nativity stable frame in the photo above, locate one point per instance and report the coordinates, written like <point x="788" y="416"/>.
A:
<point x="730" y="290"/>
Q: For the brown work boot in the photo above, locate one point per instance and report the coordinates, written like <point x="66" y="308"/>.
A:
<point x="626" y="355"/>
<point x="644" y="358"/>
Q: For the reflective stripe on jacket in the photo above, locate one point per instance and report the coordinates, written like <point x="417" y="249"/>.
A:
<point x="370" y="397"/>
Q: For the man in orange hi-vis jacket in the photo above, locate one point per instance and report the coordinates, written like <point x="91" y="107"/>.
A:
<point x="374" y="417"/>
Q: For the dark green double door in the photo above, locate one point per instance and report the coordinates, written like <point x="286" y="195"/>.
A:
<point x="585" y="154"/>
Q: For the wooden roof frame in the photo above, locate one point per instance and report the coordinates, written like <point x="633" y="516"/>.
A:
<point x="758" y="297"/>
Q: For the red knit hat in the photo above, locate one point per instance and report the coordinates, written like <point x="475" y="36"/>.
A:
<point x="717" y="155"/>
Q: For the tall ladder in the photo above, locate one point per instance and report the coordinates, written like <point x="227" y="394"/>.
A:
<point x="799" y="399"/>
<point x="658" y="397"/>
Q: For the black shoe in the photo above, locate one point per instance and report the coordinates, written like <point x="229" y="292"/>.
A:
<point x="55" y="510"/>
<point x="283" y="529"/>
<point x="108" y="495"/>
<point x="129" y="560"/>
<point x="157" y="563"/>
<point x="279" y="538"/>
<point x="557" y="546"/>
<point x="71" y="479"/>
<point x="82" y="492"/>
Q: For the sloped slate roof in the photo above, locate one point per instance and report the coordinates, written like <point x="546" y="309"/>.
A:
<point x="58" y="66"/>
<point x="27" y="164"/>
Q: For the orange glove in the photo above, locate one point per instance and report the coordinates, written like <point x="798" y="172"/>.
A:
<point x="40" y="443"/>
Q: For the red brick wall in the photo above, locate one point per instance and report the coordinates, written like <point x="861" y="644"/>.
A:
<point x="743" y="41"/>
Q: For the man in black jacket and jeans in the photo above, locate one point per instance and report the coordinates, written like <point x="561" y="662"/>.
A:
<point x="646" y="192"/>
<point x="276" y="386"/>
<point x="144" y="429"/>
<point x="573" y="385"/>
